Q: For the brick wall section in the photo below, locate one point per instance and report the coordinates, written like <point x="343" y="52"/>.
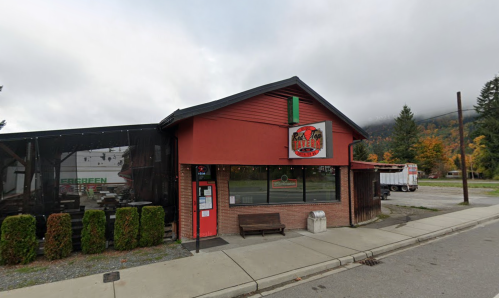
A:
<point x="185" y="194"/>
<point x="294" y="216"/>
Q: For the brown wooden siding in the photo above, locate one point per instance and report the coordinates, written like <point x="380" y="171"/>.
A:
<point x="367" y="200"/>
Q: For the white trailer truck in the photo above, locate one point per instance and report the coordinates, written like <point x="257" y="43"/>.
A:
<point x="407" y="180"/>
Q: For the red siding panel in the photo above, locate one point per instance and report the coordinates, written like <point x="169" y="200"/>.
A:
<point x="255" y="131"/>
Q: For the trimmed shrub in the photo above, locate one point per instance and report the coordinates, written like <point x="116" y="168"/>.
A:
<point x="18" y="242"/>
<point x="58" y="239"/>
<point x="126" y="228"/>
<point x="93" y="235"/>
<point x="152" y="225"/>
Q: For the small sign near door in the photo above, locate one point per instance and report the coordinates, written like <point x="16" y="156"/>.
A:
<point x="207" y="195"/>
<point x="205" y="203"/>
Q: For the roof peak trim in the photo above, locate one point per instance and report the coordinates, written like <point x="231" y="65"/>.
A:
<point x="226" y="101"/>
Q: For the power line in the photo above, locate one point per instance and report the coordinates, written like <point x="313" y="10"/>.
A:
<point x="442" y="115"/>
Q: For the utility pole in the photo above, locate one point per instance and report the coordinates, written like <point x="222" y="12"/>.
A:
<point x="463" y="155"/>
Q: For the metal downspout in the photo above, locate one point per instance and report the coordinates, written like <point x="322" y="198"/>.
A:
<point x="349" y="181"/>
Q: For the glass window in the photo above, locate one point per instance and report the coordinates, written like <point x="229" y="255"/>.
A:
<point x="248" y="185"/>
<point x="286" y="184"/>
<point x="321" y="183"/>
<point x="257" y="185"/>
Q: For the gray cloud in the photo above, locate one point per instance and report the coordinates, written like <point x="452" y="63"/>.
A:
<point x="96" y="64"/>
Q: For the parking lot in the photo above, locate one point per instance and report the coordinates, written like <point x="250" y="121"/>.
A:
<point x="441" y="197"/>
<point x="429" y="201"/>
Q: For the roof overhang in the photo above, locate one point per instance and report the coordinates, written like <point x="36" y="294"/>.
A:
<point x="74" y="139"/>
<point x="377" y="167"/>
<point x="74" y="131"/>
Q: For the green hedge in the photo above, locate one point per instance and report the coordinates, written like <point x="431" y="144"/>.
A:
<point x="93" y="235"/>
<point x="18" y="242"/>
<point x="152" y="225"/>
<point x="126" y="228"/>
<point x="58" y="239"/>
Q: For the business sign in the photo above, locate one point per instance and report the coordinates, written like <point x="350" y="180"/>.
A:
<point x="313" y="140"/>
<point x="284" y="182"/>
<point x="84" y="180"/>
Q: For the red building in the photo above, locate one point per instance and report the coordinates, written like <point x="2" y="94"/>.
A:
<point x="279" y="148"/>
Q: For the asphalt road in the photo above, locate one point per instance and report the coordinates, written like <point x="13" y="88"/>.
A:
<point x="461" y="265"/>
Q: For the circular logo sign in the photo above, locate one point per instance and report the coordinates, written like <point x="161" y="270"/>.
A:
<point x="307" y="141"/>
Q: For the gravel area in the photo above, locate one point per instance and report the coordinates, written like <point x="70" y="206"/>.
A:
<point x="77" y="265"/>
<point x="396" y="214"/>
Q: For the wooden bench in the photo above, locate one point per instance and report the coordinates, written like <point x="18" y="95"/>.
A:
<point x="260" y="222"/>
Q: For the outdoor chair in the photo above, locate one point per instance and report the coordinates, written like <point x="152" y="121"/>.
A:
<point x="90" y="194"/>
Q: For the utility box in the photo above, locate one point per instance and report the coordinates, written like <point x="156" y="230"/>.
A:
<point x="316" y="222"/>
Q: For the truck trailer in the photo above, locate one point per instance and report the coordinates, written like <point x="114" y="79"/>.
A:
<point x="407" y="180"/>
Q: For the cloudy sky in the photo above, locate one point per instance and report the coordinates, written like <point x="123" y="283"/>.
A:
<point x="69" y="64"/>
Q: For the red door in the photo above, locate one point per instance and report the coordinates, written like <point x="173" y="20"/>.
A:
<point x="208" y="208"/>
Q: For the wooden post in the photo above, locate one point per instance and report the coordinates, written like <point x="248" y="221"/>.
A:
<point x="463" y="155"/>
<point x="27" y="177"/>
<point x="1" y="178"/>
<point x="57" y="179"/>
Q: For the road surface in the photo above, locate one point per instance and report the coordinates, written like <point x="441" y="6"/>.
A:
<point x="461" y="265"/>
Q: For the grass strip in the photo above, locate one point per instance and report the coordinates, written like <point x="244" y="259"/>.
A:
<point x="457" y="184"/>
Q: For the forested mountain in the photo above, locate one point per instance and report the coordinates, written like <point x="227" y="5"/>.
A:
<point x="433" y="142"/>
<point x="444" y="127"/>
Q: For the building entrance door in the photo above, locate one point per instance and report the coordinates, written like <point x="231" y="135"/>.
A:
<point x="207" y="207"/>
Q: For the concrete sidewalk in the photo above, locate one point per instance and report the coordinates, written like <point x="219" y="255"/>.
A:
<point x="235" y="271"/>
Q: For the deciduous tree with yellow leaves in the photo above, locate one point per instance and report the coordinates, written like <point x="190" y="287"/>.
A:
<point x="430" y="153"/>
<point x="481" y="156"/>
<point x="372" y="157"/>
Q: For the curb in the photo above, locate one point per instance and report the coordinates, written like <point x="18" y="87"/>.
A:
<point x="233" y="291"/>
<point x="390" y="247"/>
<point x="465" y="226"/>
<point x="345" y="260"/>
<point x="435" y="234"/>
<point x="290" y="275"/>
<point x="480" y="221"/>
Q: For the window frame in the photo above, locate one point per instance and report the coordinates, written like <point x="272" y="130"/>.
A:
<point x="337" y="199"/>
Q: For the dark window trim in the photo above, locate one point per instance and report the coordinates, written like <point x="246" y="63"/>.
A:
<point x="303" y="174"/>
<point x="296" y="203"/>
<point x="267" y="168"/>
<point x="337" y="174"/>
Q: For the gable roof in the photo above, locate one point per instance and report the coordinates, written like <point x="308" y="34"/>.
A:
<point x="218" y="104"/>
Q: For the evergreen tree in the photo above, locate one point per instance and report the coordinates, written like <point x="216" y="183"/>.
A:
<point x="487" y="124"/>
<point x="360" y="152"/>
<point x="405" y="136"/>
